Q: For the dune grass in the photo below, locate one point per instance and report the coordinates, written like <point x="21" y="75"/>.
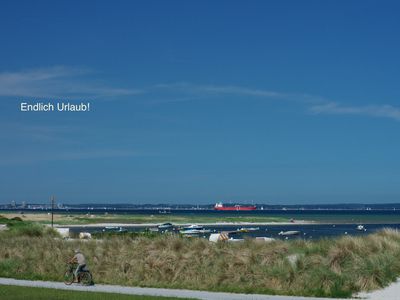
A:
<point x="328" y="267"/>
<point x="10" y="292"/>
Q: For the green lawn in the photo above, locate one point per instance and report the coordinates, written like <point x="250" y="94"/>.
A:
<point x="8" y="292"/>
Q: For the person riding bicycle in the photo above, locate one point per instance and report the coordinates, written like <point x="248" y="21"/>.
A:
<point x="79" y="259"/>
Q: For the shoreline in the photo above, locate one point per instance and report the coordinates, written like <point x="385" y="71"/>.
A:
<point x="215" y="224"/>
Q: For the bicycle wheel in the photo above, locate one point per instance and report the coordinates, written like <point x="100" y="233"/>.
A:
<point x="86" y="278"/>
<point x="68" y="277"/>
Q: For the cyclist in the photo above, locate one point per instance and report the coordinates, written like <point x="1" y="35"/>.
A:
<point x="79" y="259"/>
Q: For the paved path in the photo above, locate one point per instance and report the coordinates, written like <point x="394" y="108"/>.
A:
<point x="392" y="292"/>
<point x="150" y="291"/>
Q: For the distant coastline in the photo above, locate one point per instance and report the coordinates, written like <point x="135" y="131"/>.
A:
<point x="23" y="205"/>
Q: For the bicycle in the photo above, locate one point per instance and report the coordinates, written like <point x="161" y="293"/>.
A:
<point x="84" y="276"/>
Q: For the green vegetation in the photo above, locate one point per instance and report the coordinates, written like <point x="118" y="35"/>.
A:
<point x="132" y="218"/>
<point x="82" y="219"/>
<point x="21" y="293"/>
<point x="17" y="227"/>
<point x="328" y="267"/>
<point x="141" y="219"/>
<point x="126" y="234"/>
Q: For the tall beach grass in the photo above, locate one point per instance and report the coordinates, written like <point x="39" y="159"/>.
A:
<point x="328" y="267"/>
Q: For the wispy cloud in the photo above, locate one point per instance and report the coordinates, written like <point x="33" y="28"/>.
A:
<point x="216" y="89"/>
<point x="382" y="111"/>
<point x="61" y="82"/>
<point x="313" y="103"/>
<point x="198" y="91"/>
<point x="57" y="82"/>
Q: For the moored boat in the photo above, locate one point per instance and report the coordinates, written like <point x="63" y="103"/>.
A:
<point x="195" y="231"/>
<point x="248" y="229"/>
<point x="288" y="233"/>
<point x="165" y="226"/>
<point x="193" y="226"/>
<point x="114" y="229"/>
<point x="361" y="228"/>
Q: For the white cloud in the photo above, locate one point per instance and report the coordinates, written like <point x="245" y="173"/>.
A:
<point x="63" y="82"/>
<point x="383" y="111"/>
<point x="216" y="89"/>
<point x="204" y="91"/>
<point x="315" y="104"/>
<point x="57" y="82"/>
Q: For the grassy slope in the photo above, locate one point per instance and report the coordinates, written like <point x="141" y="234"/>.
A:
<point x="21" y="293"/>
<point x="331" y="267"/>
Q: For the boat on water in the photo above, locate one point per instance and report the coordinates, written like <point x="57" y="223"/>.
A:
<point x="114" y="229"/>
<point x="248" y="229"/>
<point x="236" y="207"/>
<point x="361" y="228"/>
<point x="195" y="231"/>
<point x="111" y="228"/>
<point x="253" y="228"/>
<point x="193" y="226"/>
<point x="288" y="233"/>
<point x="165" y="226"/>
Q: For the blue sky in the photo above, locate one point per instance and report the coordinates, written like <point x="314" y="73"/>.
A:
<point x="196" y="102"/>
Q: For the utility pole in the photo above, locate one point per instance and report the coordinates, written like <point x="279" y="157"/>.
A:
<point x="52" y="211"/>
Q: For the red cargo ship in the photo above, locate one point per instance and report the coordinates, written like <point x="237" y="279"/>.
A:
<point x="237" y="207"/>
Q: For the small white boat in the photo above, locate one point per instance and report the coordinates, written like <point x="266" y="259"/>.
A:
<point x="253" y="228"/>
<point x="288" y="233"/>
<point x="195" y="231"/>
<point x="114" y="229"/>
<point x="111" y="227"/>
<point x="165" y="226"/>
<point x="247" y="229"/>
<point x="193" y="226"/>
<point x="361" y="228"/>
